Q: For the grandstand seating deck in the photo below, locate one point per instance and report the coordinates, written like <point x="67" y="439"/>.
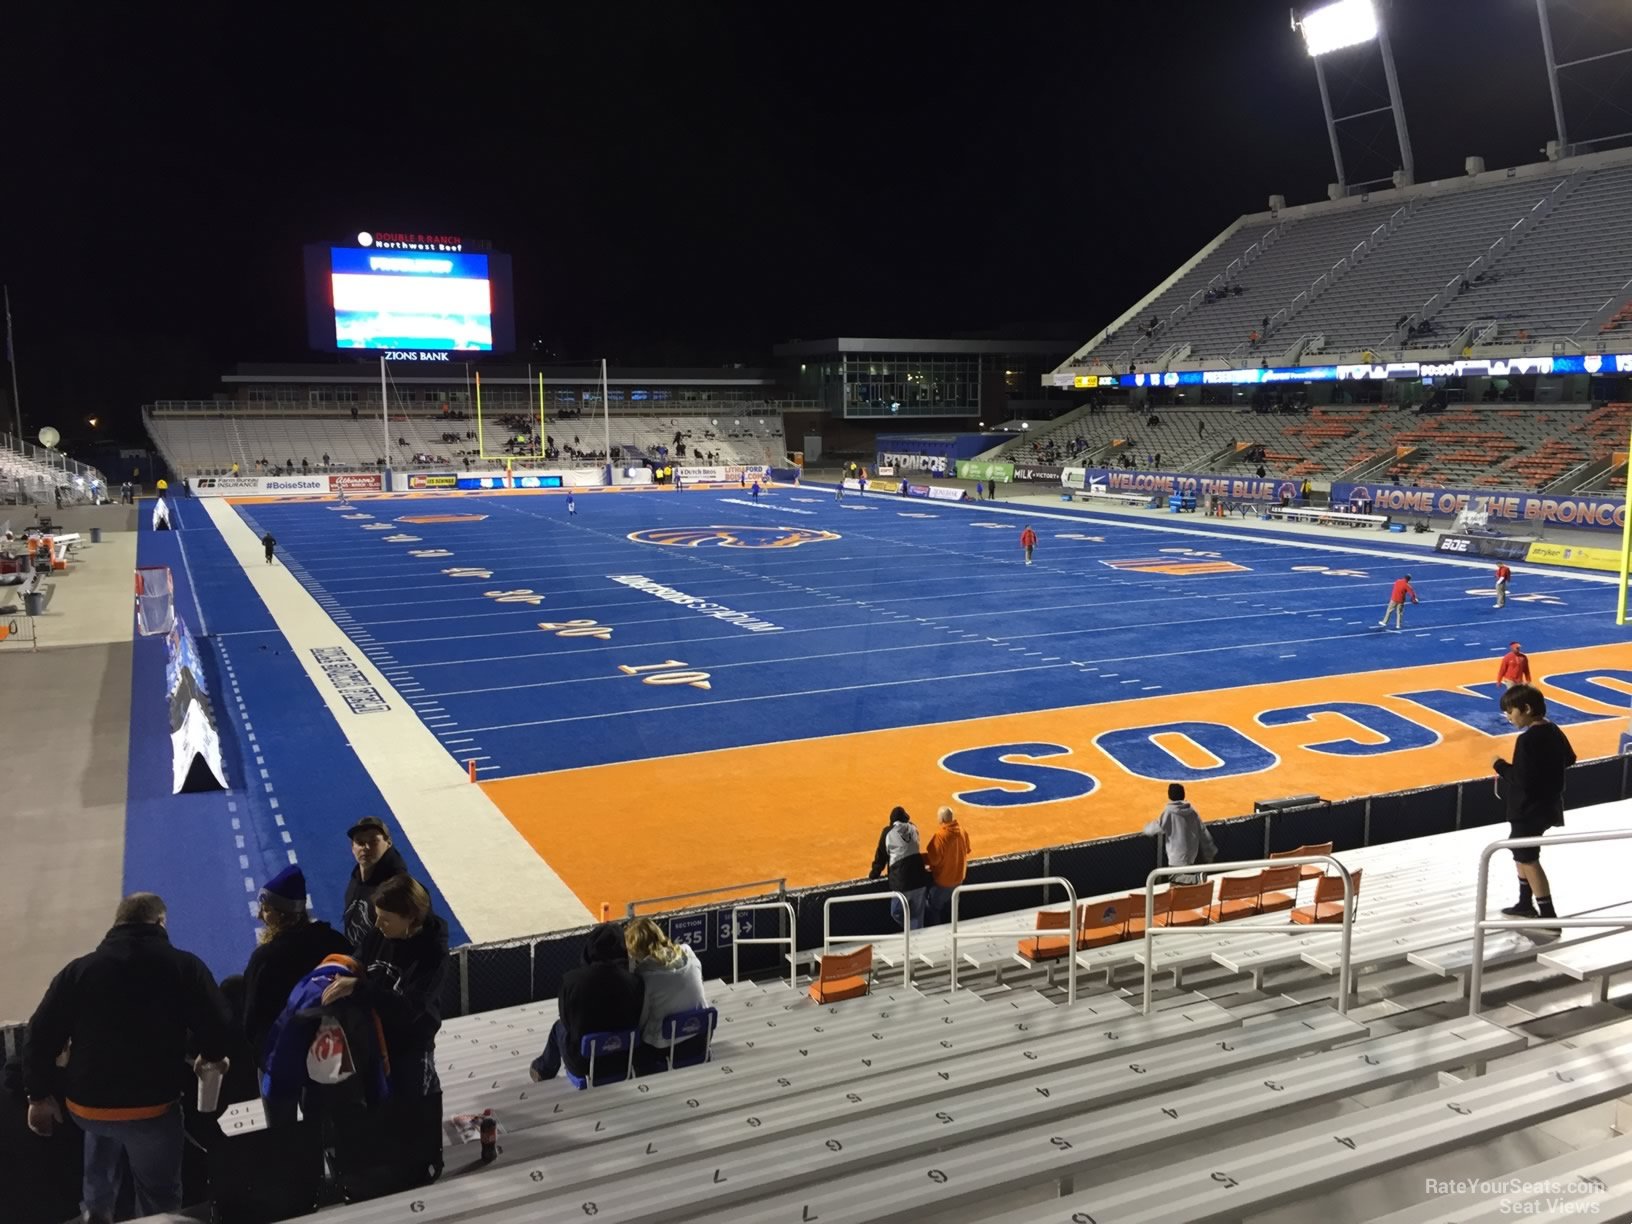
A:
<point x="1557" y="278"/>
<point x="907" y="1103"/>
<point x="1443" y="235"/>
<point x="197" y="444"/>
<point x="1361" y="267"/>
<point x="1525" y="446"/>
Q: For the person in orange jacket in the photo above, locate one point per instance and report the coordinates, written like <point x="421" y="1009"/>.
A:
<point x="1028" y="541"/>
<point x="948" y="857"/>
<point x="1514" y="668"/>
<point x="1502" y="576"/>
<point x="1396" y="603"/>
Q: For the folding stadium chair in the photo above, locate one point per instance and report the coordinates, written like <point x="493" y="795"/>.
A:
<point x="1271" y="879"/>
<point x="846" y="976"/>
<point x="1052" y="948"/>
<point x="1328" y="906"/>
<point x="1238" y="897"/>
<point x="1102" y="923"/>
<point x="1135" y="928"/>
<point x="686" y="1026"/>
<point x="594" y="1045"/>
<point x="1308" y="871"/>
<point x="1187" y="905"/>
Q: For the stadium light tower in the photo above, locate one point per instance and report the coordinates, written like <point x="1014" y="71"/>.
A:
<point x="1334" y="27"/>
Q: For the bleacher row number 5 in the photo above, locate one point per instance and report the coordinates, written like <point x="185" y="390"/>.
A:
<point x="663" y="674"/>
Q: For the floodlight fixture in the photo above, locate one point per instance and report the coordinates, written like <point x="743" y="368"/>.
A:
<point x="1344" y="23"/>
<point x="1335" y="27"/>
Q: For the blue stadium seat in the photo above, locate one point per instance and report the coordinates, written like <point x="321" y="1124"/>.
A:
<point x="685" y="1027"/>
<point x="596" y="1046"/>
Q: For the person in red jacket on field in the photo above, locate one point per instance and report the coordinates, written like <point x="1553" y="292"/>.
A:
<point x="1396" y="603"/>
<point x="1502" y="575"/>
<point x="1028" y="541"/>
<point x="1514" y="668"/>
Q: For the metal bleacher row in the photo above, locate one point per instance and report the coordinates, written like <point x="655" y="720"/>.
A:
<point x="1529" y="446"/>
<point x="1339" y="277"/>
<point x="196" y="443"/>
<point x="1244" y="1091"/>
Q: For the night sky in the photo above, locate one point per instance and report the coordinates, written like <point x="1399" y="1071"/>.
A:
<point x="678" y="184"/>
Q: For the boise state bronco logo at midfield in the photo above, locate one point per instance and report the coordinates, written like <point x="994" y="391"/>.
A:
<point x="732" y="537"/>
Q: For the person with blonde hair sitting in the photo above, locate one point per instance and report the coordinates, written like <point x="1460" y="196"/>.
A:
<point x="673" y="977"/>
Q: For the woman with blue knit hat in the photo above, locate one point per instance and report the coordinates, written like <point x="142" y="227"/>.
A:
<point x="291" y="946"/>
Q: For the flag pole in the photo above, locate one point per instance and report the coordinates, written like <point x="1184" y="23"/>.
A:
<point x="11" y="360"/>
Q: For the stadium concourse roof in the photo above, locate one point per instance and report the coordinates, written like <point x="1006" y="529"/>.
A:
<point x="366" y="370"/>
<point x="858" y="344"/>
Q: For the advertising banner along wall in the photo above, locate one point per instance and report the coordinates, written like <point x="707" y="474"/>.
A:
<point x="1561" y="510"/>
<point x="1231" y="488"/>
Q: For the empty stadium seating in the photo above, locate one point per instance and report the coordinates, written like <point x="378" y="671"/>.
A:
<point x="195" y="442"/>
<point x="1502" y="258"/>
<point x="1527" y="446"/>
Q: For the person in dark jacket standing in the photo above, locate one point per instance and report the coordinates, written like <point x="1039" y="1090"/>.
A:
<point x="270" y="545"/>
<point x="128" y="1011"/>
<point x="899" y="856"/>
<point x="291" y="946"/>
<point x="404" y="961"/>
<point x="1533" y="786"/>
<point x="377" y="861"/>
<point x="603" y="995"/>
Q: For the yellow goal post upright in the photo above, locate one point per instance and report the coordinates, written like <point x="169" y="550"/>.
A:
<point x="502" y="454"/>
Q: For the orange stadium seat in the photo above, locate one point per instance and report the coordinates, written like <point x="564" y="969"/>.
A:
<point x="1328" y="906"/>
<point x="845" y="976"/>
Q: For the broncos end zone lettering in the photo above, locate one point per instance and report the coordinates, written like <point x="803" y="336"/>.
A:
<point x="1203" y="751"/>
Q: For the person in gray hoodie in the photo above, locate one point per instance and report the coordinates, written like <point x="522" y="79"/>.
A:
<point x="899" y="855"/>
<point x="1186" y="838"/>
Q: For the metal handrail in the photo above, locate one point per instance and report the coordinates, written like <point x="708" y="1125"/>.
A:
<point x="987" y="933"/>
<point x="781" y="883"/>
<point x="1347" y="930"/>
<point x="906" y="927"/>
<point x="1481" y="924"/>
<point x="791" y="939"/>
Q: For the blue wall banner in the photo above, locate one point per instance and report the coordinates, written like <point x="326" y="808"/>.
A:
<point x="1561" y="510"/>
<point x="1235" y="488"/>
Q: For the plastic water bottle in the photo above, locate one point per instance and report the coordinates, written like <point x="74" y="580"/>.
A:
<point x="490" y="1137"/>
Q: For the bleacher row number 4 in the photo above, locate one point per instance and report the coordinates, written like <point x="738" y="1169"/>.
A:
<point x="665" y="674"/>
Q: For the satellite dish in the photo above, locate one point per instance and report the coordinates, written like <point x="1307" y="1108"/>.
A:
<point x="49" y="437"/>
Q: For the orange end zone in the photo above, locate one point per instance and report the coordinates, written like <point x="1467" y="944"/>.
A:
<point x="811" y="810"/>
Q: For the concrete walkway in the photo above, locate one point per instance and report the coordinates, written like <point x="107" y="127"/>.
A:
<point x="65" y="722"/>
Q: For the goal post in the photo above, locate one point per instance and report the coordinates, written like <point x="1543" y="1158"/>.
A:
<point x="155" y="600"/>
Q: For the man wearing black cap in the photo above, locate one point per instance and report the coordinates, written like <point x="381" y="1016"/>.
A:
<point x="377" y="861"/>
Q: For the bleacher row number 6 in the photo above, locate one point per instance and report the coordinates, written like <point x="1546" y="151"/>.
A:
<point x="662" y="675"/>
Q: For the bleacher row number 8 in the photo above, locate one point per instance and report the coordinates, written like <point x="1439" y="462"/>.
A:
<point x="663" y="675"/>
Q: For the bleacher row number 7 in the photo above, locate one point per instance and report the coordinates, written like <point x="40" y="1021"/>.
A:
<point x="663" y="675"/>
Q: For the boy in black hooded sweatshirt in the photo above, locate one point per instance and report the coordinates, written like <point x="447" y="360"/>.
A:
<point x="601" y="995"/>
